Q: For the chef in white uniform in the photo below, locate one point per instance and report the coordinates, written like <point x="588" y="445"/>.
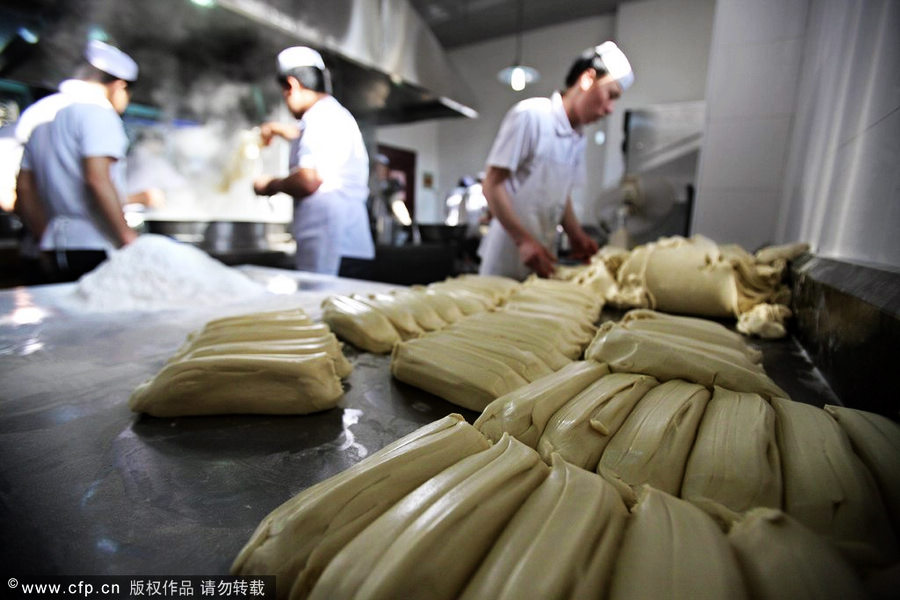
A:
<point x="70" y="187"/>
<point x="538" y="158"/>
<point x="329" y="171"/>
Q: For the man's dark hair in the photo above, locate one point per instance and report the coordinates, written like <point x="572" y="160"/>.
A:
<point x="88" y="72"/>
<point x="312" y="78"/>
<point x="588" y="60"/>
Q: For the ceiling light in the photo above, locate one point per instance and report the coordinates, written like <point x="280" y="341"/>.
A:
<point x="204" y="3"/>
<point x="517" y="76"/>
<point x="97" y="33"/>
<point x="28" y="35"/>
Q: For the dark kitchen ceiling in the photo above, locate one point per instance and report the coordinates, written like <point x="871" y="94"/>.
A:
<point x="461" y="22"/>
<point x="187" y="51"/>
<point x="180" y="46"/>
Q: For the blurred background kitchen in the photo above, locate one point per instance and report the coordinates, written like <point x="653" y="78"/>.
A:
<point x="749" y="122"/>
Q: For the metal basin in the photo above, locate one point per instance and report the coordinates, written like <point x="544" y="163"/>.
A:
<point x="223" y="236"/>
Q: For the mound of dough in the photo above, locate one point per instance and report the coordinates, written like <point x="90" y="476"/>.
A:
<point x="276" y="362"/>
<point x="629" y="350"/>
<point x="695" y="276"/>
<point x="541" y="327"/>
<point x="672" y="549"/>
<point x="735" y="459"/>
<point x="297" y="540"/>
<point x="376" y="322"/>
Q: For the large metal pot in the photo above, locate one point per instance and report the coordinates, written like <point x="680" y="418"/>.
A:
<point x="223" y="236"/>
<point x="191" y="232"/>
<point x="226" y="236"/>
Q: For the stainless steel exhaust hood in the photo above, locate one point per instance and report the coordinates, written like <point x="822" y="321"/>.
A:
<point x="387" y="66"/>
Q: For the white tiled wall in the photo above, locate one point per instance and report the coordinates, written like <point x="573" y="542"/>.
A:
<point x="842" y="190"/>
<point x="756" y="53"/>
<point x="668" y="45"/>
<point x="746" y="84"/>
<point x="803" y="126"/>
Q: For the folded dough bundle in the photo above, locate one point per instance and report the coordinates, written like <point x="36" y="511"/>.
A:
<point x="692" y="328"/>
<point x="296" y="316"/>
<point x="876" y="440"/>
<point x="269" y="363"/>
<point x="359" y="324"/>
<point x="493" y="286"/>
<point x="828" y="488"/>
<point x="297" y="540"/>
<point x="630" y="349"/>
<point x="580" y="430"/>
<point x="249" y="332"/>
<point x="234" y="384"/>
<point x="672" y="549"/>
<point x="524" y="362"/>
<point x="562" y="543"/>
<point x="274" y="333"/>
<point x="485" y="356"/>
<point x="524" y="413"/>
<point x="544" y="337"/>
<point x="300" y="347"/>
<point x="430" y="543"/>
<point x="735" y="460"/>
<point x="784" y="560"/>
<point x="375" y="322"/>
<point x="458" y="373"/>
<point x="443" y="513"/>
<point x="652" y="445"/>
<point x="398" y="312"/>
<point x="549" y="295"/>
<point x="695" y="276"/>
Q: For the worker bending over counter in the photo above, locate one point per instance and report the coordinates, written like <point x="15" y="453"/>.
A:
<point x="538" y="158"/>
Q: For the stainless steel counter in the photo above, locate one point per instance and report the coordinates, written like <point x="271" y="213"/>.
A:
<point x="89" y="488"/>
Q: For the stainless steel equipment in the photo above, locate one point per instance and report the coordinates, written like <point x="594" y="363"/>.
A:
<point x="224" y="236"/>
<point x="655" y="196"/>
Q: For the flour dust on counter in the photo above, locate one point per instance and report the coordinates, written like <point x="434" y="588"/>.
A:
<point x="157" y="273"/>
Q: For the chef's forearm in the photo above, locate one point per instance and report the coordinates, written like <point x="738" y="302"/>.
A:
<point x="28" y="206"/>
<point x="299" y="184"/>
<point x="500" y="204"/>
<point x="103" y="193"/>
<point x="270" y="129"/>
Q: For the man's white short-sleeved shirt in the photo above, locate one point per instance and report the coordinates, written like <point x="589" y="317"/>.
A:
<point x="333" y="221"/>
<point x="545" y="157"/>
<point x="59" y="132"/>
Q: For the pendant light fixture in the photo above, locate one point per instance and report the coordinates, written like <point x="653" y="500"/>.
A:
<point x="517" y="76"/>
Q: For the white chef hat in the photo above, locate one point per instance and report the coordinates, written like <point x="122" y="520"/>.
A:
<point x="110" y="59"/>
<point x="614" y="62"/>
<point x="299" y="56"/>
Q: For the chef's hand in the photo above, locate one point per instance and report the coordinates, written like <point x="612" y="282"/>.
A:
<point x="127" y="236"/>
<point x="151" y="198"/>
<point x="263" y="186"/>
<point x="537" y="258"/>
<point x="583" y="246"/>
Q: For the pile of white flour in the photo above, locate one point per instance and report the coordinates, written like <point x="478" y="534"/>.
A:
<point x="155" y="272"/>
